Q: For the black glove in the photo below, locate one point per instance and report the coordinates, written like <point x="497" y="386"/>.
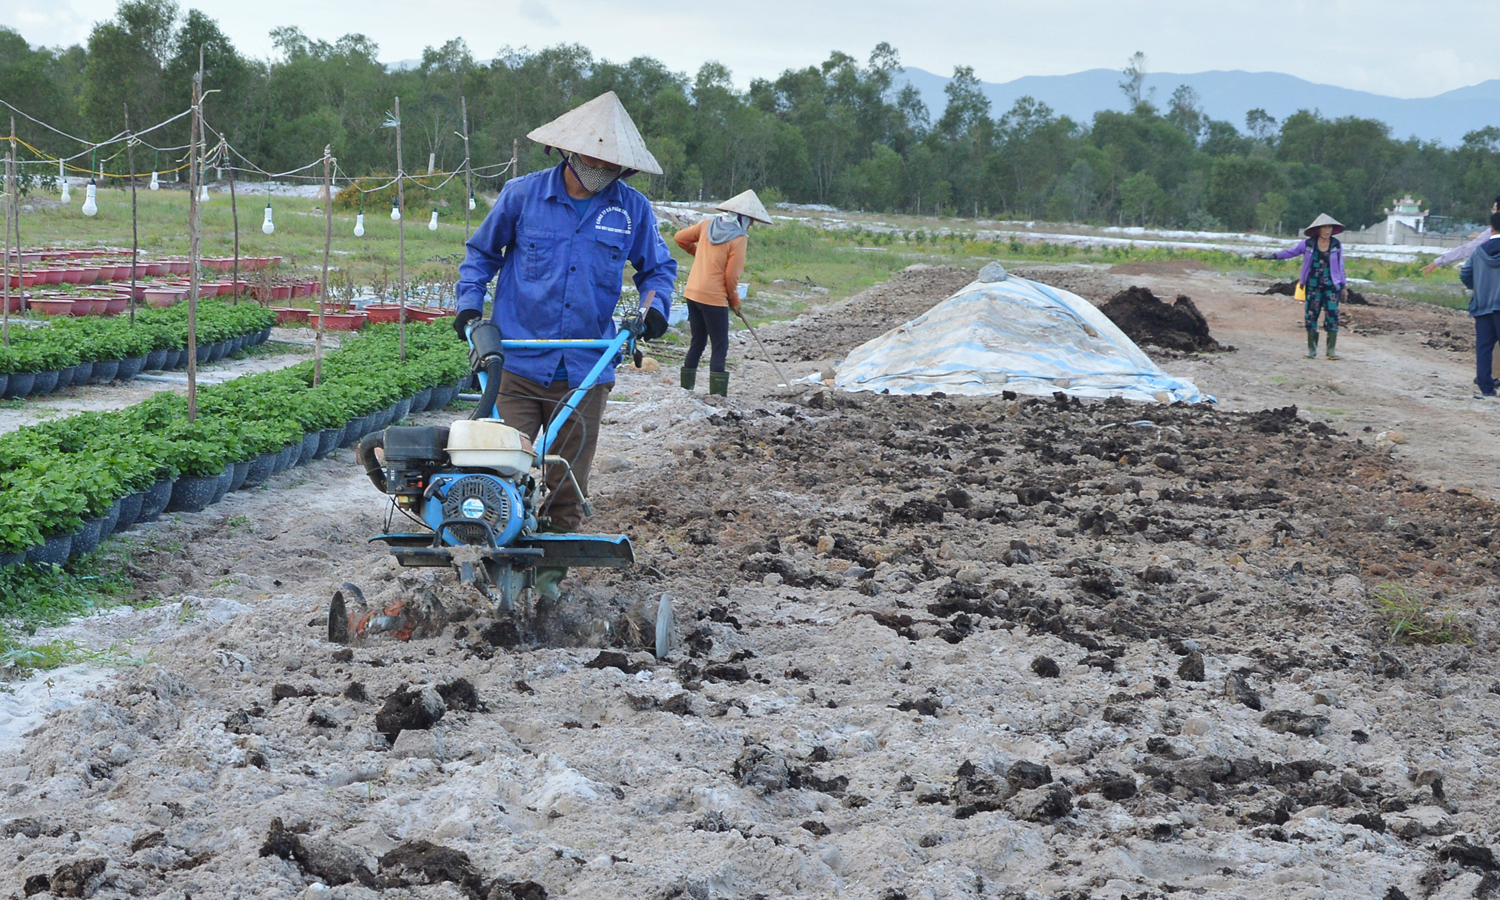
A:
<point x="656" y="324"/>
<point x="461" y="323"/>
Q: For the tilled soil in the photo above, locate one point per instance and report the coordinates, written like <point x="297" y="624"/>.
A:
<point x="926" y="647"/>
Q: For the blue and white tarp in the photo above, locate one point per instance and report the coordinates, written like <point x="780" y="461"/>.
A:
<point x="1007" y="333"/>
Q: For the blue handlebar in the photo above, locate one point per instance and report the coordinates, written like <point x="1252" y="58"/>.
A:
<point x="624" y="342"/>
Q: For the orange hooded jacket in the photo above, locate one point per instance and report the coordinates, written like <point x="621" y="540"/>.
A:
<point x="717" y="268"/>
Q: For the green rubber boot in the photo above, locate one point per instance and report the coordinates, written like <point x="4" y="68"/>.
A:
<point x="548" y="579"/>
<point x="1333" y="339"/>
<point x="1312" y="345"/>
<point x="718" y="383"/>
<point x="689" y="378"/>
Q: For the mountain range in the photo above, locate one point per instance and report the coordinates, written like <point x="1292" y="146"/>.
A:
<point x="1445" y="118"/>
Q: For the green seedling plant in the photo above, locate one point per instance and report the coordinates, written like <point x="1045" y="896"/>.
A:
<point x="1408" y="619"/>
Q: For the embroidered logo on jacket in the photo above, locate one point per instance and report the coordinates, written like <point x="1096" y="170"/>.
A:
<point x="614" y="219"/>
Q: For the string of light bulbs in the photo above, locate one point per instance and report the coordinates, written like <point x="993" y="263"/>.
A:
<point x="220" y="160"/>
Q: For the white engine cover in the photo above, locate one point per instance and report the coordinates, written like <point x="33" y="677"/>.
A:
<point x="490" y="444"/>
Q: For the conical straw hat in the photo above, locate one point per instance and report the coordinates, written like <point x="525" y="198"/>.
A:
<point x="1320" y="221"/>
<point x="600" y="128"/>
<point x="746" y="204"/>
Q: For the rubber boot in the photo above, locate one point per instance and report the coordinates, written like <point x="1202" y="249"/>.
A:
<point x="718" y="383"/>
<point x="548" y="580"/>
<point x="1312" y="345"/>
<point x="1333" y="339"/>
<point x="689" y="378"/>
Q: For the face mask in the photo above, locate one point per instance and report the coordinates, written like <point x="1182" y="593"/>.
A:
<point x="593" y="179"/>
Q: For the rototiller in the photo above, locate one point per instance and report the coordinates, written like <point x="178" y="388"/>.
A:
<point x="479" y="486"/>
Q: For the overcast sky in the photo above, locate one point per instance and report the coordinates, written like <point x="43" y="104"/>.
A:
<point x="1395" y="47"/>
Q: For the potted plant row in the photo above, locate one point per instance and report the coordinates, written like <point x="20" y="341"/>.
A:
<point x="67" y="484"/>
<point x="94" y="351"/>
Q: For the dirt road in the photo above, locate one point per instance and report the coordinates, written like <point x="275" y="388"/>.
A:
<point x="1406" y="367"/>
<point x="926" y="648"/>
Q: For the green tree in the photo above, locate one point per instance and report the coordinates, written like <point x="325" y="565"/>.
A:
<point x="1140" y="195"/>
<point x="125" y="61"/>
<point x="1186" y="112"/>
<point x="1134" y="83"/>
<point x="1271" y="210"/>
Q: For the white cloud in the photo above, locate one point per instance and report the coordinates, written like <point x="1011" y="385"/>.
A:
<point x="1385" y="46"/>
<point x="535" y="11"/>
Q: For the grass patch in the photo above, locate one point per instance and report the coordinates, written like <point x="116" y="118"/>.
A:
<point x="33" y="596"/>
<point x="55" y="654"/>
<point x="842" y="260"/>
<point x="1408" y="619"/>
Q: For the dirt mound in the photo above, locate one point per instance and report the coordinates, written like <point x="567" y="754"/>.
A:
<point x="1289" y="289"/>
<point x="1147" y="319"/>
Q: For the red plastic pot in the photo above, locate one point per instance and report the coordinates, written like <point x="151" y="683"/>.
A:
<point x="162" y="296"/>
<point x="294" y="315"/>
<point x="53" y="307"/>
<point x="385" y="313"/>
<point x="344" y="321"/>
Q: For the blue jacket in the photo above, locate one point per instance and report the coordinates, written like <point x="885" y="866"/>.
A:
<point x="561" y="272"/>
<point x="1481" y="274"/>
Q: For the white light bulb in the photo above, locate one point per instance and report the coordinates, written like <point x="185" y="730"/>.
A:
<point x="155" y="182"/>
<point x="203" y="194"/>
<point x="432" y="225"/>
<point x="90" y="207"/>
<point x="395" y="214"/>
<point x="359" y="225"/>
<point x="471" y="201"/>
<point x="66" y="197"/>
<point x="62" y="177"/>
<point x="268" y="226"/>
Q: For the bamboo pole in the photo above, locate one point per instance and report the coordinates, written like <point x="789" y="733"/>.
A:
<point x="234" y="211"/>
<point x="468" y="169"/>
<point x="135" y="235"/>
<point x="327" y="248"/>
<point x="15" y="213"/>
<point x="401" y="230"/>
<point x="10" y="202"/>
<point x="194" y="246"/>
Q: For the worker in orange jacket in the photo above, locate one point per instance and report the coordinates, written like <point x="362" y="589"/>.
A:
<point x="717" y="246"/>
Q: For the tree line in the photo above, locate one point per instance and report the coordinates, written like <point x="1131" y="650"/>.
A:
<point x="845" y="132"/>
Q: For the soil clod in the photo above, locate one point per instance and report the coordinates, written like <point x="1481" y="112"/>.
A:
<point x="1291" y="722"/>
<point x="407" y="709"/>
<point x="1239" y="691"/>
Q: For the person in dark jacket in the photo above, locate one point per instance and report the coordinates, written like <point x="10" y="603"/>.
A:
<point x="1481" y="274"/>
<point x="1322" y="278"/>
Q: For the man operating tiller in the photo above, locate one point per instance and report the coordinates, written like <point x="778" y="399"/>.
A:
<point x="559" y="240"/>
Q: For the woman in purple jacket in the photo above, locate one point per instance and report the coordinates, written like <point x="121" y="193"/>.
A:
<point x="1322" y="278"/>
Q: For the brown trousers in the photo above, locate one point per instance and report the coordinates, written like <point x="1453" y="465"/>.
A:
<point x="527" y="407"/>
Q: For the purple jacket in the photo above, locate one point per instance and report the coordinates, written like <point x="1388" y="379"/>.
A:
<point x="1467" y="250"/>
<point x="1307" y="248"/>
